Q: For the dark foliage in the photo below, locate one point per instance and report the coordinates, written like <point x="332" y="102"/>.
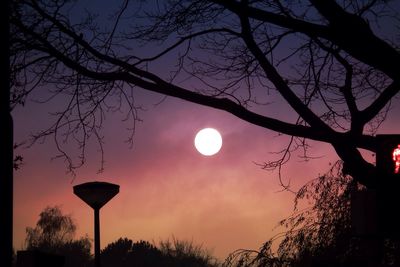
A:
<point x="319" y="232"/>
<point x="54" y="233"/>
<point x="124" y="252"/>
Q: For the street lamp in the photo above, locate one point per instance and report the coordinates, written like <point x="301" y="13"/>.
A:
<point x="96" y="195"/>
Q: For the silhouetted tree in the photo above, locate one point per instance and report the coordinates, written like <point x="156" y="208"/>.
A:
<point x="117" y="253"/>
<point x="124" y="252"/>
<point x="145" y="254"/>
<point x="327" y="61"/>
<point x="52" y="229"/>
<point x="185" y="253"/>
<point x="319" y="232"/>
<point x="54" y="233"/>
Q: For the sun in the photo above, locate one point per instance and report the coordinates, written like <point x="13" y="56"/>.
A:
<point x="208" y="141"/>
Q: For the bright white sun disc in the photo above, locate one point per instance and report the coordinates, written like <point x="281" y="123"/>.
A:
<point x="208" y="141"/>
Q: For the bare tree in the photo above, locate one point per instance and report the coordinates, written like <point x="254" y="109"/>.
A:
<point x="334" y="63"/>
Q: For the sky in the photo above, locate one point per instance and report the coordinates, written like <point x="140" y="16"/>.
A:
<point x="167" y="189"/>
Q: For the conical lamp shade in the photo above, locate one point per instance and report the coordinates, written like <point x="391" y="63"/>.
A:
<point x="96" y="194"/>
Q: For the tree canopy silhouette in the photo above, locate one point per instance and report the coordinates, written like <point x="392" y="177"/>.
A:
<point x="54" y="233"/>
<point x="320" y="232"/>
<point x="125" y="252"/>
<point x="333" y="64"/>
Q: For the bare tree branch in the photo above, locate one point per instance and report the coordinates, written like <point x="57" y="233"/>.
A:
<point x="321" y="58"/>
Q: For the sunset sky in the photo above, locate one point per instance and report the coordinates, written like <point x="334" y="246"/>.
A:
<point x="167" y="189"/>
<point x="224" y="202"/>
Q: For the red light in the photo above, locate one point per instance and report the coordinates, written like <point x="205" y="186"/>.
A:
<point x="396" y="159"/>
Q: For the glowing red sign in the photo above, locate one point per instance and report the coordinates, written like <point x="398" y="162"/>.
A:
<point x="396" y="159"/>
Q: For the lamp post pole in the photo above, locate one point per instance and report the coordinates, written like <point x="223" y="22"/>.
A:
<point x="97" y="237"/>
<point x="96" y="195"/>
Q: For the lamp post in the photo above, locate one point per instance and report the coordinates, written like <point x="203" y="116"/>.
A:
<point x="96" y="195"/>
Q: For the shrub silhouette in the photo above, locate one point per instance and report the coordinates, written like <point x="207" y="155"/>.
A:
<point x="54" y="233"/>
<point x="124" y="252"/>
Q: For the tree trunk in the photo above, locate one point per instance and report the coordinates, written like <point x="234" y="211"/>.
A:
<point x="6" y="144"/>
